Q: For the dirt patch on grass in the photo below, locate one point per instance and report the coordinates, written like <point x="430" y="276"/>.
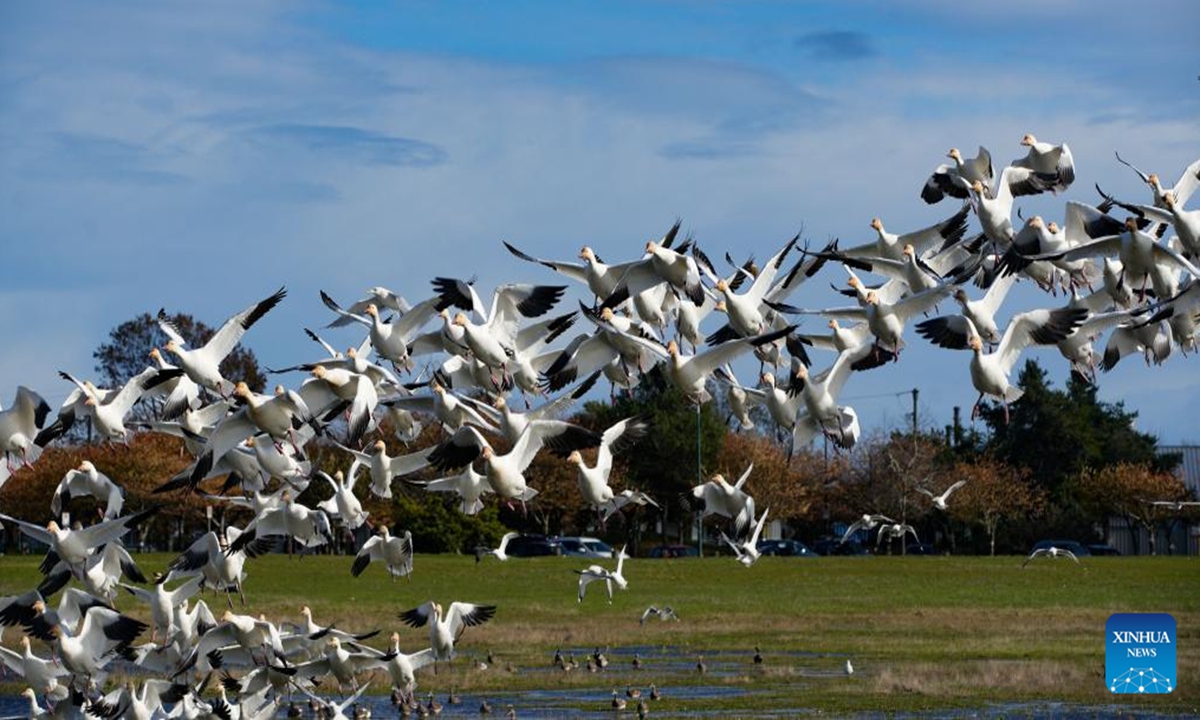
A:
<point x="973" y="679"/>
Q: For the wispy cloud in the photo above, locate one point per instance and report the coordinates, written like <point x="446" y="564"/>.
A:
<point x="838" y="45"/>
<point x="353" y="144"/>
<point x="83" y="157"/>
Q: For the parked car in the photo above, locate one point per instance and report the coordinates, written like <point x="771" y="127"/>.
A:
<point x="584" y="547"/>
<point x="531" y="545"/>
<point x="835" y="546"/>
<point x="785" y="548"/>
<point x="673" y="551"/>
<point x="1103" y="550"/>
<point x="1076" y="548"/>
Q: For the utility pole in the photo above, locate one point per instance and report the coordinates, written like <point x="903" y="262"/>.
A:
<point x="699" y="481"/>
<point x="904" y="480"/>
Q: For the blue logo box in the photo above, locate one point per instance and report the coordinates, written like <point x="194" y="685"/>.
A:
<point x="1140" y="653"/>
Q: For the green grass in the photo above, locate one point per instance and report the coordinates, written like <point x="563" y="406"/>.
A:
<point x="923" y="632"/>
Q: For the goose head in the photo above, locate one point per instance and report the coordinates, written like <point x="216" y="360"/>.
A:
<point x="575" y="458"/>
<point x="1029" y="140"/>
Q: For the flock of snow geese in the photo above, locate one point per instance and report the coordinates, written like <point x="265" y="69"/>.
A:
<point x="1133" y="276"/>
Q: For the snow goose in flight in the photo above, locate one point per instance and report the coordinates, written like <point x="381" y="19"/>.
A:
<point x="1050" y="552"/>
<point x="821" y="412"/>
<point x="1142" y="258"/>
<point x="593" y="481"/>
<point x="939" y="501"/>
<point x="885" y="320"/>
<point x="310" y="528"/>
<point x="690" y="373"/>
<point x="955" y="180"/>
<point x="494" y="340"/>
<point x="746" y="309"/>
<point x="739" y="398"/>
<point x="782" y="406"/>
<point x="1044" y="158"/>
<point x="892" y="531"/>
<point x="593" y="272"/>
<point x="660" y="264"/>
<point x="718" y="497"/>
<point x="747" y="550"/>
<point x="378" y="296"/>
<point x="402" y="667"/>
<point x="990" y="372"/>
<point x="37" y="672"/>
<point x="19" y="426"/>
<point x="86" y="480"/>
<point x="391" y="340"/>
<point x="1152" y="339"/>
<point x="384" y="468"/>
<point x="445" y="628"/>
<point x="396" y="552"/>
<point x="595" y="572"/>
<point x="337" y="387"/>
<point x="867" y="522"/>
<point x="343" y="506"/>
<point x="1185" y="222"/>
<point x="500" y="553"/>
<point x="102" y="572"/>
<point x="1182" y="190"/>
<point x="450" y="409"/>
<point x="202" y="364"/>
<point x="73" y="547"/>
<point x="616" y="339"/>
<point x="207" y="557"/>
<point x="468" y="485"/>
<point x="993" y="206"/>
<point x="980" y="313"/>
<point x="181" y="392"/>
<point x="891" y="246"/>
<point x="561" y="435"/>
<point x="276" y="415"/>
<point x="505" y="473"/>
<point x="250" y="633"/>
<point x="162" y="603"/>
<point x="86" y="649"/>
<point x="664" y="613"/>
<point x="108" y="413"/>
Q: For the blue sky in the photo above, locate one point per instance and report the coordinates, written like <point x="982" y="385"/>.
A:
<point x="198" y="156"/>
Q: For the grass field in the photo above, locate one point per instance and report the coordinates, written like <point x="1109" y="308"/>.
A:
<point x="924" y="633"/>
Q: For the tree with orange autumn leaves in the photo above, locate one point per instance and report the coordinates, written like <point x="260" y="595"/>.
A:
<point x="1129" y="490"/>
<point x="994" y="492"/>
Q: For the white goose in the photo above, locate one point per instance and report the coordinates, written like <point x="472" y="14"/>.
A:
<point x="955" y="180"/>
<point x="383" y="467"/>
<point x="75" y="546"/>
<point x="87" y="481"/>
<point x="822" y="413"/>
<point x="391" y="340"/>
<point x="939" y="501"/>
<point x="595" y="572"/>
<point x="402" y="667"/>
<point x="445" y="628"/>
<point x="690" y="373"/>
<point x="1047" y="159"/>
<point x="396" y="552"/>
<point x="891" y="246"/>
<point x="469" y="485"/>
<point x="19" y="426"/>
<point x="980" y="313"/>
<point x="202" y="364"/>
<point x="343" y="506"/>
<point x="746" y="551"/>
<point x="505" y="473"/>
<point x="720" y="498"/>
<point x="500" y="552"/>
<point x="108" y="413"/>
<point x="593" y="481"/>
<point x="38" y="672"/>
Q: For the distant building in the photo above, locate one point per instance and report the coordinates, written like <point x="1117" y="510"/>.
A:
<point x="1176" y="538"/>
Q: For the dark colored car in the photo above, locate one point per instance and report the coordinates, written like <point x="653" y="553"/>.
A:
<point x="531" y="546"/>
<point x="918" y="549"/>
<point x="584" y="547"/>
<point x="786" y="548"/>
<point x="1076" y="548"/>
<point x="1103" y="550"/>
<point x="673" y="551"/>
<point x="835" y="546"/>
